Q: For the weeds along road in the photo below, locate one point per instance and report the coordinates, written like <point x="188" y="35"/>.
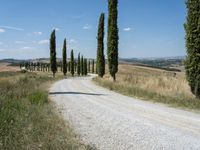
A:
<point x="111" y="121"/>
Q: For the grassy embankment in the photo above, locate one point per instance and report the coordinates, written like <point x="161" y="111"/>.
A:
<point x="152" y="84"/>
<point x="28" y="120"/>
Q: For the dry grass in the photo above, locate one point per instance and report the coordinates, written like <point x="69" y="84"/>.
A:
<point x="152" y="84"/>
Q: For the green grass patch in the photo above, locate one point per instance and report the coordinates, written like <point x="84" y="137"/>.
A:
<point x="28" y="120"/>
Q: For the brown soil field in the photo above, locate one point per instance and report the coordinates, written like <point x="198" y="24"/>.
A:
<point x="4" y="67"/>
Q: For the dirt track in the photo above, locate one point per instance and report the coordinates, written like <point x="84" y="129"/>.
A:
<point x="111" y="121"/>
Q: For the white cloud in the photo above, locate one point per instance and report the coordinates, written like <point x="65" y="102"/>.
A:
<point x="12" y="28"/>
<point x="43" y="42"/>
<point x="26" y="48"/>
<point x="37" y="33"/>
<point x="2" y="30"/>
<point x="127" y="29"/>
<point x="72" y="41"/>
<point x="87" y="27"/>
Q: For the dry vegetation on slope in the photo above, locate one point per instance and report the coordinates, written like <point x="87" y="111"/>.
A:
<point x="152" y="84"/>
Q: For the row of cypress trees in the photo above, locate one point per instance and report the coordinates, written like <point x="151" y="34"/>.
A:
<point x="31" y="66"/>
<point x="112" y="41"/>
<point x="112" y="47"/>
<point x="82" y="66"/>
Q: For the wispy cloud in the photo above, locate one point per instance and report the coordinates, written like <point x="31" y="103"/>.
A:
<point x="11" y="28"/>
<point x="25" y="42"/>
<point x="72" y="41"/>
<point x="26" y="48"/>
<point x="37" y="33"/>
<point x="127" y="29"/>
<point x="20" y="42"/>
<point x="2" y="30"/>
<point x="44" y="41"/>
<point x="87" y="27"/>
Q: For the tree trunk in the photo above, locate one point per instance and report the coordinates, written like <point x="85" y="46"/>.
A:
<point x="114" y="78"/>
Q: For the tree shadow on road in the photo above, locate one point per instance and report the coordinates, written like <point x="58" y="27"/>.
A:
<point x="75" y="93"/>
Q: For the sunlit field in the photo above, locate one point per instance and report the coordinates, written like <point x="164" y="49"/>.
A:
<point x="152" y="84"/>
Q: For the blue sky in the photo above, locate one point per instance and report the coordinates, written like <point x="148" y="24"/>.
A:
<point x="146" y="28"/>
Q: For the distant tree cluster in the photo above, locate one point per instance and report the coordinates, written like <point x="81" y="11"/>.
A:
<point x="38" y="66"/>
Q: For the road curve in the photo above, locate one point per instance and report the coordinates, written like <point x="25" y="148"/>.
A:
<point x="111" y="121"/>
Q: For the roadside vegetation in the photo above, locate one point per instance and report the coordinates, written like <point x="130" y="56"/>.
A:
<point x="28" y="120"/>
<point x="152" y="84"/>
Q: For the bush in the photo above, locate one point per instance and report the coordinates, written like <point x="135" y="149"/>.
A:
<point x="38" y="97"/>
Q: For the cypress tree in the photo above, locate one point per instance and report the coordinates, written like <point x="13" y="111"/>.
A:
<point x="82" y="66"/>
<point x="61" y="67"/>
<point x="85" y="67"/>
<point x="113" y="38"/>
<point x="64" y="57"/>
<point x="79" y="65"/>
<point x="48" y="67"/>
<point x="93" y="66"/>
<point x="192" y="63"/>
<point x="53" y="62"/>
<point x="72" y="63"/>
<point x="75" y="66"/>
<point x="69" y="66"/>
<point x="89" y="66"/>
<point x="100" y="47"/>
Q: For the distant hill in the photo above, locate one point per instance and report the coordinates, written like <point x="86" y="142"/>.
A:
<point x="168" y="63"/>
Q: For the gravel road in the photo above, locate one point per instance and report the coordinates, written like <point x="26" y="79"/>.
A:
<point x="111" y="121"/>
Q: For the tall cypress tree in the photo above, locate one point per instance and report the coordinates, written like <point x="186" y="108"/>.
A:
<point x="69" y="66"/>
<point x="79" y="65"/>
<point x="100" y="47"/>
<point x="72" y="63"/>
<point x="85" y="67"/>
<point x="93" y="66"/>
<point x="53" y="62"/>
<point x="64" y="65"/>
<point x="88" y="66"/>
<point x="82" y="66"/>
<point x="192" y="28"/>
<point x="113" y="38"/>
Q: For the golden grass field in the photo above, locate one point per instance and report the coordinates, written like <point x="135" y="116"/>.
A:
<point x="152" y="84"/>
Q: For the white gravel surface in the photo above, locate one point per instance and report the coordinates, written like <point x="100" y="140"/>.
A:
<point x="111" y="121"/>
